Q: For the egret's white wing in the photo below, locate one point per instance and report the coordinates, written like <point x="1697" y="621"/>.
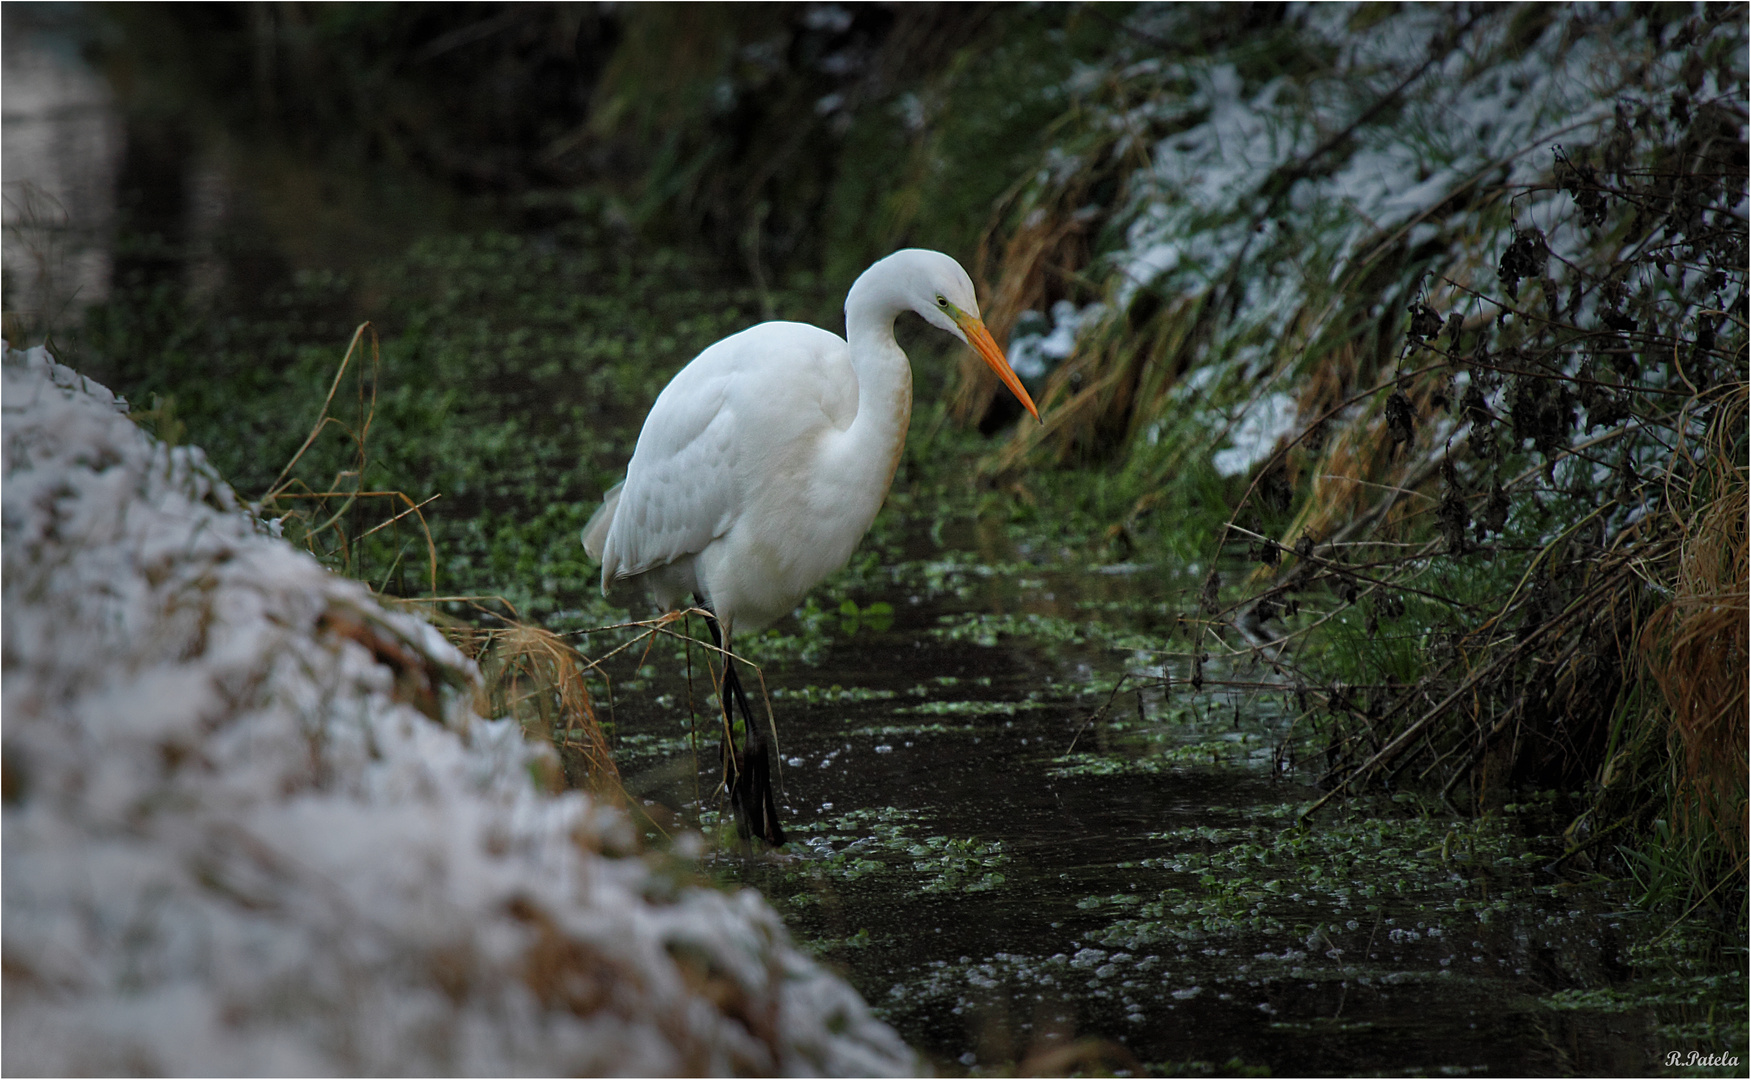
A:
<point x="724" y="428"/>
<point x="680" y="487"/>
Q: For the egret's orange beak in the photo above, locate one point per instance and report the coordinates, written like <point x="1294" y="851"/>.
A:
<point x="981" y="341"/>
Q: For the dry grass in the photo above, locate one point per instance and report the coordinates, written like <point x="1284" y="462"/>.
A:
<point x="319" y="516"/>
<point x="545" y="682"/>
<point x="1695" y="645"/>
<point x="1040" y="261"/>
<point x="1117" y="381"/>
<point x="537" y="677"/>
<point x="645" y="633"/>
<point x="1041" y="237"/>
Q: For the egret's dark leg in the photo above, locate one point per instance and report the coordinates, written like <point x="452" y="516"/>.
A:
<point x="748" y="772"/>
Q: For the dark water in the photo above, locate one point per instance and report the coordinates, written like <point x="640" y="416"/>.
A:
<point x="1020" y="842"/>
<point x="993" y="845"/>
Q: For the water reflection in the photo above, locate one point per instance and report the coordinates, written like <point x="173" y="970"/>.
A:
<point x="106" y="194"/>
<point x="62" y="142"/>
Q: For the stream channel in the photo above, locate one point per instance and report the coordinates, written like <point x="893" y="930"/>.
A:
<point x="1015" y="864"/>
<point x="1015" y="826"/>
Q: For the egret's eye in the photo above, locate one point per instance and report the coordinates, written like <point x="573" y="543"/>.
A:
<point x="942" y="301"/>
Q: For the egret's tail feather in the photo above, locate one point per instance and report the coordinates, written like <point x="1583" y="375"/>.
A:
<point x="595" y="534"/>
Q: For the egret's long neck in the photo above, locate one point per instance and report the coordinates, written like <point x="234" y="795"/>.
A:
<point x="869" y="450"/>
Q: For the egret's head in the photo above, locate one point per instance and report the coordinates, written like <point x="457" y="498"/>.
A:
<point x="939" y="290"/>
<point x="935" y="286"/>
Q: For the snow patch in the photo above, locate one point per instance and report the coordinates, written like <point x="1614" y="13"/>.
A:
<point x="1252" y="440"/>
<point x="254" y="825"/>
<point x="1034" y="352"/>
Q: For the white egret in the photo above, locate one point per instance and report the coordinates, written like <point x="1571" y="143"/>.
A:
<point x="762" y="464"/>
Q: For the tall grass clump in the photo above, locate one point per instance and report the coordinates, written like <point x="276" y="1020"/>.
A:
<point x="1454" y="302"/>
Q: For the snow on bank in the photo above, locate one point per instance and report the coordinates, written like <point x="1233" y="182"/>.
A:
<point x="253" y="825"/>
<point x="1272" y="178"/>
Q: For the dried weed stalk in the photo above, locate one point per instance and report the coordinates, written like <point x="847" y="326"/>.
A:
<point x="323" y="518"/>
<point x="1695" y="644"/>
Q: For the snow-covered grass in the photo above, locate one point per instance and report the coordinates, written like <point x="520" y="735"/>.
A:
<point x="254" y="824"/>
<point x="1290" y="191"/>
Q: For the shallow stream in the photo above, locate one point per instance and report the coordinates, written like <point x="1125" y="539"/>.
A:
<point x="1018" y="865"/>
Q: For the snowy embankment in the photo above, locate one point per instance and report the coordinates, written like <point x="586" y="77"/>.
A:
<point x="1425" y="135"/>
<point x="252" y="823"/>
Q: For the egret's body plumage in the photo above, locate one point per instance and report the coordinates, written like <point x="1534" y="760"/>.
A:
<point x="747" y="486"/>
<point x="765" y="459"/>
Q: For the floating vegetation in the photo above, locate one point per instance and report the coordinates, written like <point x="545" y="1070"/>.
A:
<point x="643" y="745"/>
<point x="958" y="865"/>
<point x="1202" y="753"/>
<point x="971" y="707"/>
<point x="890" y="731"/>
<point x="831" y="695"/>
<point x="1360" y="908"/>
<point x="846" y="848"/>
<point x="987" y="629"/>
<point x="1269" y="879"/>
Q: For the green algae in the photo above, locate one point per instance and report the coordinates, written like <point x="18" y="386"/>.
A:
<point x="1168" y="759"/>
<point x="970" y="707"/>
<point x="1046" y="630"/>
<point x="831" y="695"/>
<point x="890" y="731"/>
<point x="850" y="846"/>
